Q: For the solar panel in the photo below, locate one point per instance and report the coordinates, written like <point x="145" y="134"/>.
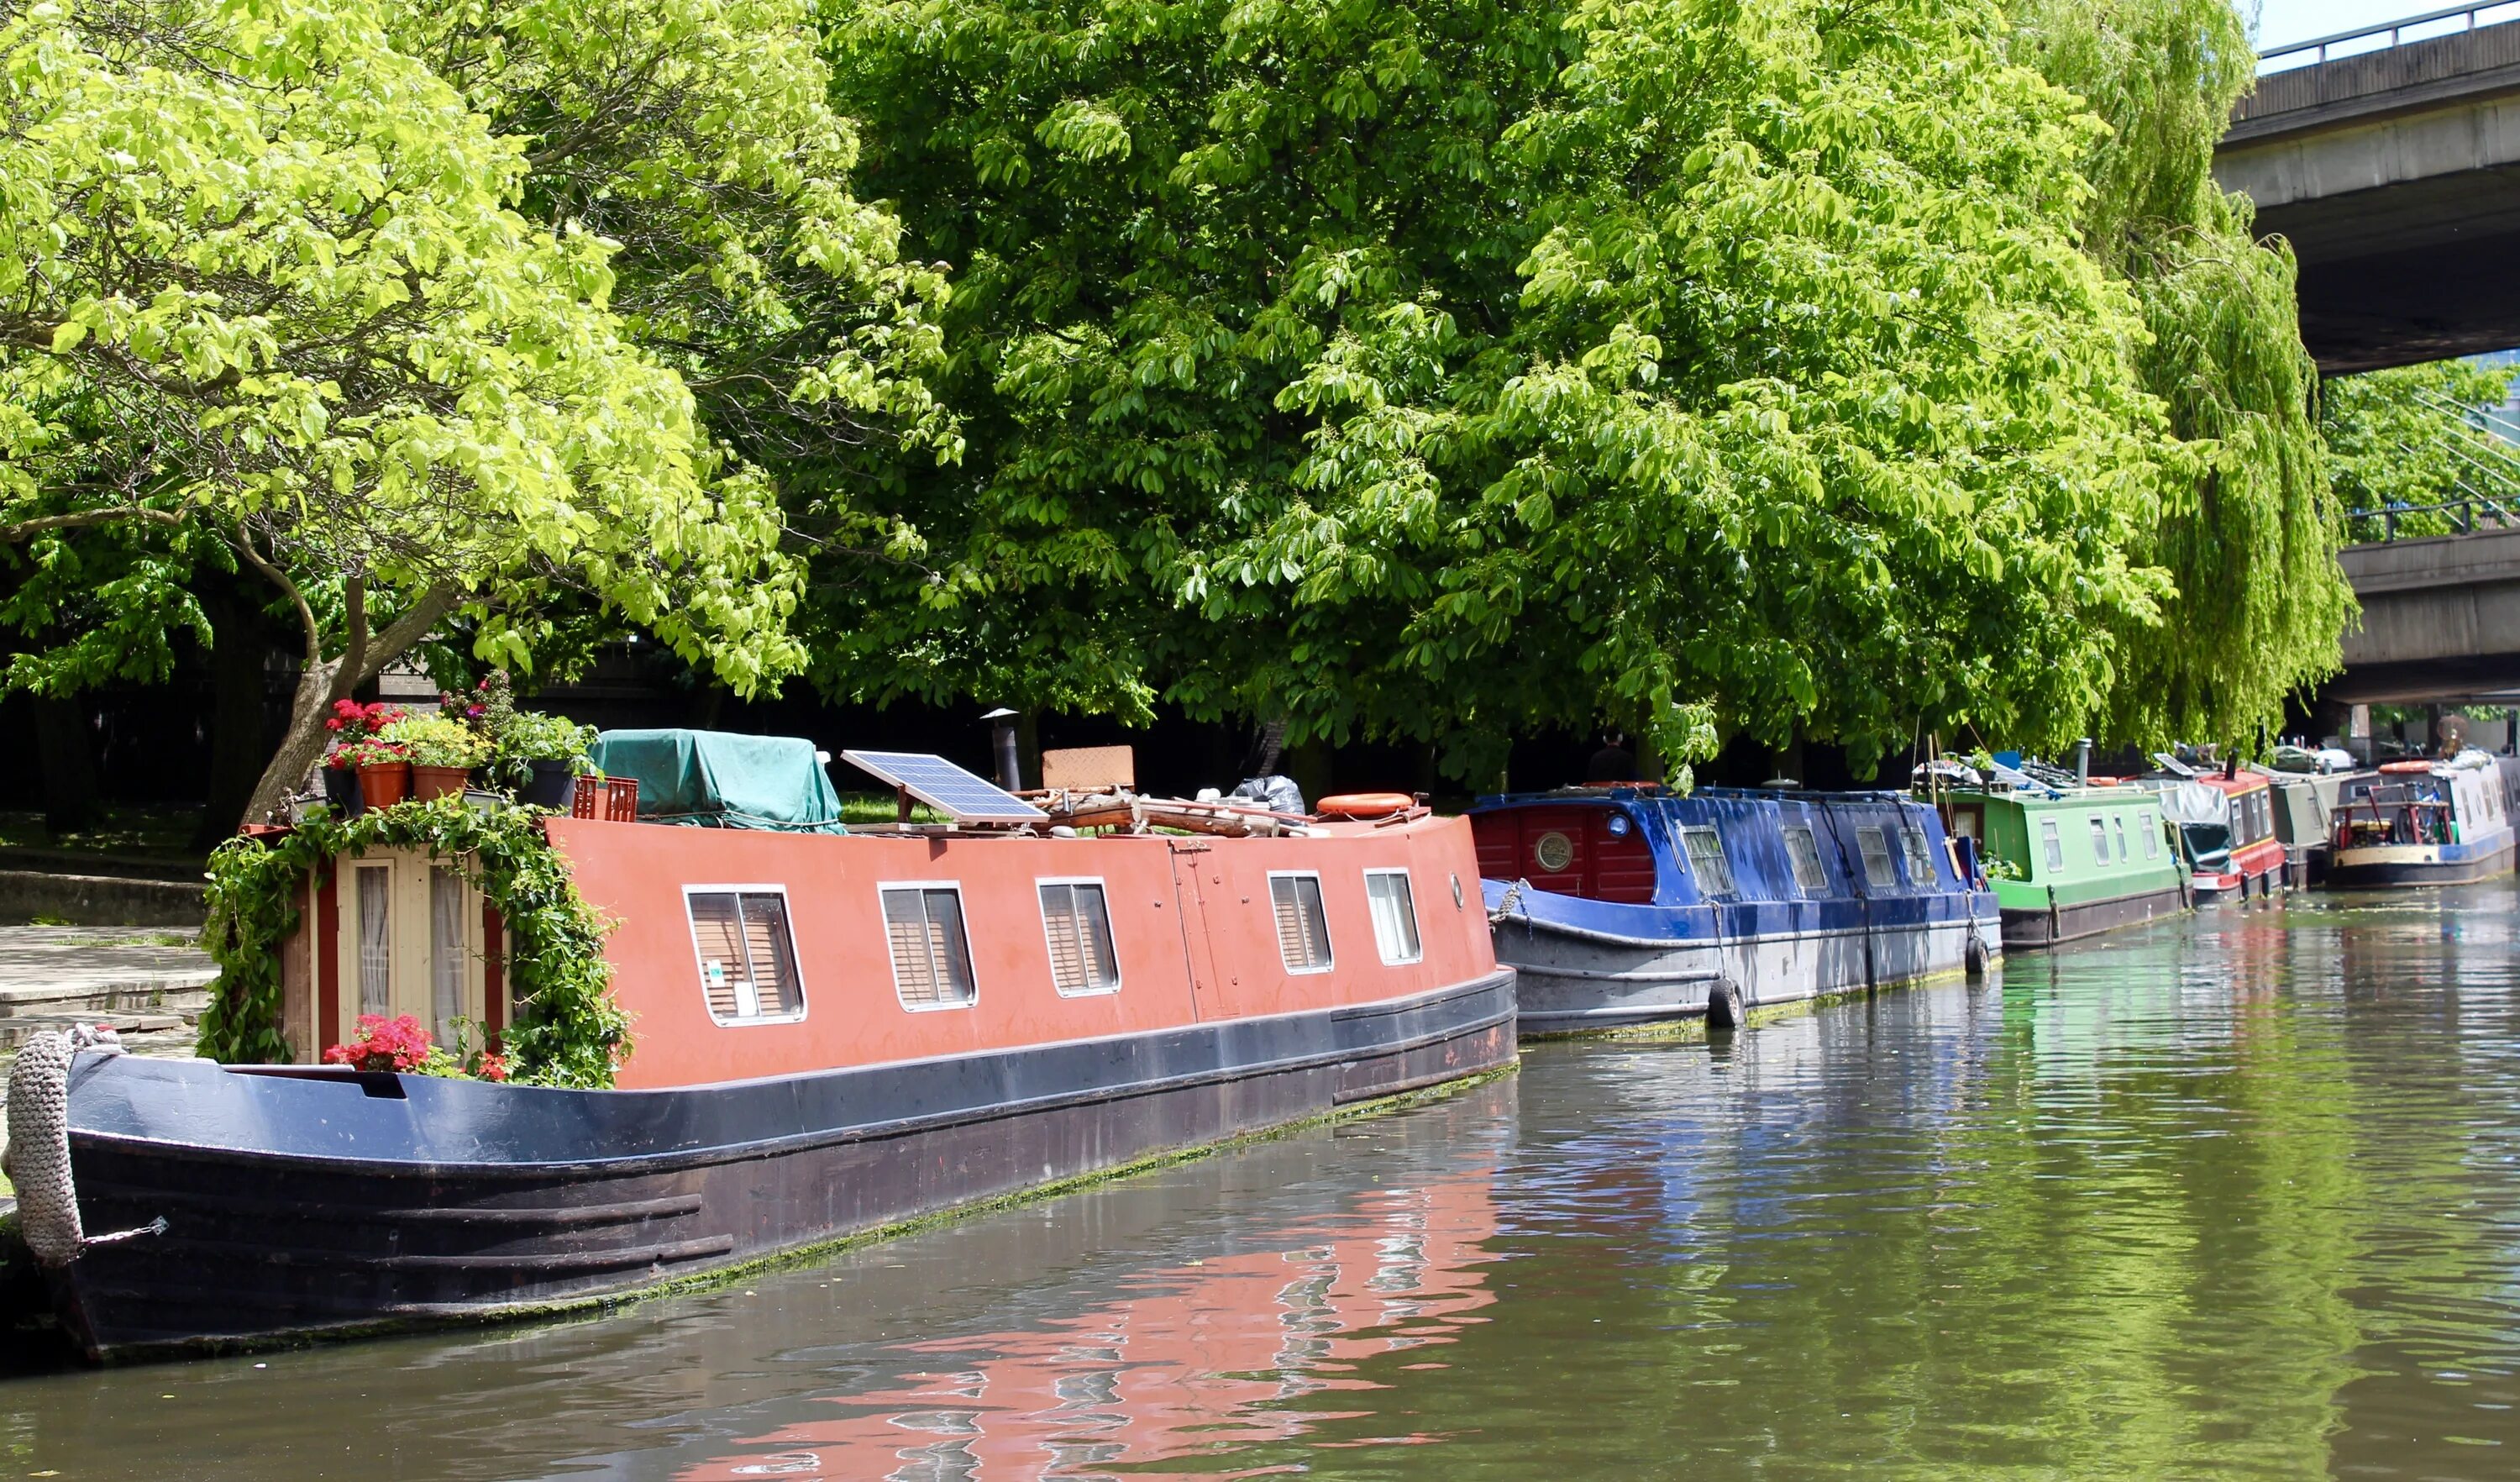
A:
<point x="967" y="796"/>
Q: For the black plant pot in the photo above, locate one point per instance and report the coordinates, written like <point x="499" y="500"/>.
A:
<point x="342" y="791"/>
<point x="550" y="785"/>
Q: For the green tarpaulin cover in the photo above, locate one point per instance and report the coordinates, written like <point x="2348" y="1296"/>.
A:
<point x="718" y="779"/>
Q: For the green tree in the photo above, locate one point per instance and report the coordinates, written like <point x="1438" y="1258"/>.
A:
<point x="261" y="286"/>
<point x="1474" y="366"/>
<point x="2248" y="530"/>
<point x="2407" y="438"/>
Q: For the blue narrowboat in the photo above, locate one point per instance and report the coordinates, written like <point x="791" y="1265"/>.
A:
<point x="1628" y="906"/>
<point x="2423" y="823"/>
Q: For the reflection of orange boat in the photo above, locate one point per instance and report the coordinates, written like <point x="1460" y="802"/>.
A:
<point x="1206" y="1354"/>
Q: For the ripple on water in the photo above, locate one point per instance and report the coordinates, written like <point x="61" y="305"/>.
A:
<point x="2231" y="1197"/>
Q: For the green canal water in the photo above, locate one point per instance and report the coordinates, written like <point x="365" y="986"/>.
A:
<point x="2234" y="1198"/>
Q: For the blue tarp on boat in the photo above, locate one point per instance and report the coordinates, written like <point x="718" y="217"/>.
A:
<point x="719" y="779"/>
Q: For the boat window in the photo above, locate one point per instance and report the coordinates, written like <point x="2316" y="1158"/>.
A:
<point x="2151" y="841"/>
<point x="1805" y="854"/>
<point x="1875" y="847"/>
<point x="1920" y="860"/>
<point x="1706" y="860"/>
<point x="1078" y="922"/>
<point x="447" y="951"/>
<point x="932" y="955"/>
<point x="1303" y="930"/>
<point x="1395" y="914"/>
<point x="2056" y="844"/>
<point x="747" y="956"/>
<point x="2119" y="820"/>
<point x="2099" y="841"/>
<point x="375" y="939"/>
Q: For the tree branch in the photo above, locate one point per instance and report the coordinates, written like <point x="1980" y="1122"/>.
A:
<point x="10" y="535"/>
<point x="405" y="631"/>
<point x="243" y="541"/>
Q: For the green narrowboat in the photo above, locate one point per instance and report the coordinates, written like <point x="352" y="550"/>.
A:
<point x="2068" y="862"/>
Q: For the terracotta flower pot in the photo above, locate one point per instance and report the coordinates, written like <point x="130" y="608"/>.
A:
<point x="385" y="784"/>
<point x="437" y="781"/>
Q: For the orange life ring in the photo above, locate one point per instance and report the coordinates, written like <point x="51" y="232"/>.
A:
<point x="1363" y="804"/>
<point x="2406" y="766"/>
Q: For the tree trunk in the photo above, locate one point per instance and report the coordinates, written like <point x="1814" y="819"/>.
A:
<point x="66" y="747"/>
<point x="325" y="681"/>
<point x="239" y="645"/>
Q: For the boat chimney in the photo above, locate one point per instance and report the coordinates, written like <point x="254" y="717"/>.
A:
<point x="2083" y="762"/>
<point x="1003" y="735"/>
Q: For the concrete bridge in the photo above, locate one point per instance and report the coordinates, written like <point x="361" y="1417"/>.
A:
<point x="2390" y="156"/>
<point x="2440" y="615"/>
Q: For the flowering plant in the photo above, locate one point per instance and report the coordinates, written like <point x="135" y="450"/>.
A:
<point x="405" y="1045"/>
<point x="368" y="753"/>
<point x="354" y="726"/>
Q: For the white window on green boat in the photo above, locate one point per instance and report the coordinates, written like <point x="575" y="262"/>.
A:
<point x="1875" y="847"/>
<point x="1706" y="860"/>
<point x="2118" y="820"/>
<point x="1804" y="851"/>
<point x="2152" y="840"/>
<point x="1395" y="916"/>
<point x="1303" y="929"/>
<point x="747" y="956"/>
<point x="931" y="954"/>
<point x="1077" y="920"/>
<point x="2048" y="835"/>
<point x="2099" y="841"/>
<point x="1920" y="858"/>
<point x="375" y="939"/>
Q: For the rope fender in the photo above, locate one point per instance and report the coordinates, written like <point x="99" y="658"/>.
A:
<point x="38" y="1157"/>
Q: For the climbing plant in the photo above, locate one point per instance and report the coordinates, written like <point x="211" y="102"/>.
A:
<point x="566" y="1030"/>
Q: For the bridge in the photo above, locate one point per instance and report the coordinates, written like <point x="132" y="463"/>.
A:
<point x="2441" y="612"/>
<point x="2390" y="157"/>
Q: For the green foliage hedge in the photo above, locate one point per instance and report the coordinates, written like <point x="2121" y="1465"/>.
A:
<point x="566" y="1030"/>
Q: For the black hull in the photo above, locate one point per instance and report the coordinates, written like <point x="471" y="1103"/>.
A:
<point x="360" y="1221"/>
<point x="2398" y="876"/>
<point x="2033" y="930"/>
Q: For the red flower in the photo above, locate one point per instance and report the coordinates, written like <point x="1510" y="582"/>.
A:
<point x="493" y="1067"/>
<point x="397" y="1044"/>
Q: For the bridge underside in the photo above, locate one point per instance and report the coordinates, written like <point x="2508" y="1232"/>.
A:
<point x="2396" y="176"/>
<point x="2408" y="273"/>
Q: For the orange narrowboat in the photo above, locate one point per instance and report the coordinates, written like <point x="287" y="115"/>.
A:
<point x="832" y="1033"/>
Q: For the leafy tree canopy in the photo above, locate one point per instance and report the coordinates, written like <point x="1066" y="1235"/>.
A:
<point x="1471" y="366"/>
<point x="2409" y="438"/>
<point x="268" y="292"/>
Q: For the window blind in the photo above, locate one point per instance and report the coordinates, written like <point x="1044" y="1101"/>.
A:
<point x="1303" y="931"/>
<point x="1078" y="922"/>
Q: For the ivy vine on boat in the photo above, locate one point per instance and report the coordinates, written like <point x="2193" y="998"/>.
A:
<point x="566" y="1030"/>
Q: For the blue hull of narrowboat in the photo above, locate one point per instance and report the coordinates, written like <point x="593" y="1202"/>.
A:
<point x="1585" y="964"/>
<point x="2392" y="866"/>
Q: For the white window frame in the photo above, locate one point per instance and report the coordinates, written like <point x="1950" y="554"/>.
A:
<point x="1329" y="944"/>
<point x="1792" y="865"/>
<point x="2116" y="822"/>
<point x="2099" y="841"/>
<point x="2051" y="843"/>
<point x="1731" y="882"/>
<point x="1416" y="927"/>
<point x="699" y="966"/>
<point x="893" y="960"/>
<point x="1098" y="883"/>
<point x="1866" y="860"/>
<point x="2151" y="837"/>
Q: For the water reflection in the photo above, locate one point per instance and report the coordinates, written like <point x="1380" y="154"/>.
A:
<point x="2234" y="1198"/>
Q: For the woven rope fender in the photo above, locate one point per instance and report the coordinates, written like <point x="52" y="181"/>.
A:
<point x="39" y="1159"/>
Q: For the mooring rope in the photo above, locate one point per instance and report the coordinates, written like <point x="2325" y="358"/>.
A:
<point x="38" y="1157"/>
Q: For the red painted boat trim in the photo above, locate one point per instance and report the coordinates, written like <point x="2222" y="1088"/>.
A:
<point x="328" y="961"/>
<point x="494" y="975"/>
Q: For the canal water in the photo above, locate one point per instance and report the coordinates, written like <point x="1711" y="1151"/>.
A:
<point x="2232" y="1198"/>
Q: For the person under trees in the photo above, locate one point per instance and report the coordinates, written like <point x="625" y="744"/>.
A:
<point x="269" y="299"/>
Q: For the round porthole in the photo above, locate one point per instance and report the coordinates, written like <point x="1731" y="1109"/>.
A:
<point x="1619" y="826"/>
<point x="1552" y="852"/>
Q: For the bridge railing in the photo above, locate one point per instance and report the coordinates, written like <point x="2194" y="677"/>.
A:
<point x="2386" y="34"/>
<point x="2450" y="516"/>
